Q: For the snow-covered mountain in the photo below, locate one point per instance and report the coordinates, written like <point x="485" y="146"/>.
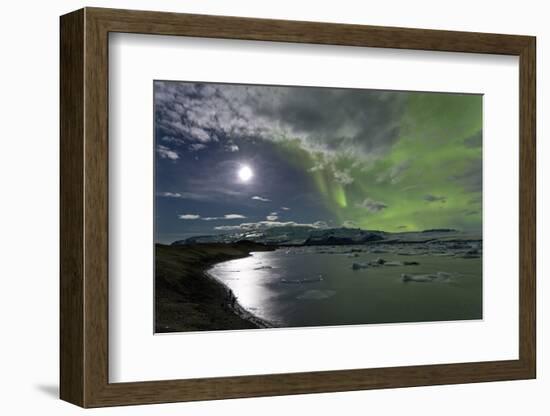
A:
<point x="306" y="235"/>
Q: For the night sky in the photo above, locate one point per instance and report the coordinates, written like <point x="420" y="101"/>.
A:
<point x="231" y="157"/>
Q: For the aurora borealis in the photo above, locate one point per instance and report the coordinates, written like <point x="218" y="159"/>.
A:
<point x="327" y="157"/>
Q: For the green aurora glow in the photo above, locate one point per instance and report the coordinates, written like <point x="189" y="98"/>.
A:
<point x="436" y="166"/>
<point x="322" y="157"/>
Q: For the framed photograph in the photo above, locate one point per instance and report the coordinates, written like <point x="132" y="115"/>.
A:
<point x="257" y="207"/>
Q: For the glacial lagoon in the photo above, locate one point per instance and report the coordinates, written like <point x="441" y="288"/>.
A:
<point x="351" y="285"/>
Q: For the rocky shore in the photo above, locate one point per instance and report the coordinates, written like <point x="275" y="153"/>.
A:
<point x="187" y="298"/>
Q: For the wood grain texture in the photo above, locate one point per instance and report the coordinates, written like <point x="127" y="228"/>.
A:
<point x="527" y="207"/>
<point x="162" y="23"/>
<point x="96" y="218"/>
<point x="71" y="213"/>
<point x="84" y="207"/>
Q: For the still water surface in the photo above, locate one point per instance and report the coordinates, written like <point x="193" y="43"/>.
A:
<point x="315" y="286"/>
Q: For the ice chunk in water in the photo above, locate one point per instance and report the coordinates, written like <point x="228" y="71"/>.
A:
<point x="422" y="278"/>
<point x="316" y="294"/>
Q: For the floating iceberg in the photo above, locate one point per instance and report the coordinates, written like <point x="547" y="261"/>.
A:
<point x="358" y="266"/>
<point x="422" y="278"/>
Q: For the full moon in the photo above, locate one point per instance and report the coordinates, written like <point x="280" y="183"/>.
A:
<point x="245" y="173"/>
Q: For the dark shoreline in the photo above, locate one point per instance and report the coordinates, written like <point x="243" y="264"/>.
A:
<point x="187" y="298"/>
<point x="234" y="306"/>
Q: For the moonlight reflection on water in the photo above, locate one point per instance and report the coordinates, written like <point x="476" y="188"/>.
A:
<point x="313" y="286"/>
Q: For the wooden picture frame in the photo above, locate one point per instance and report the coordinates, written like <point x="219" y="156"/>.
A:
<point x="84" y="207"/>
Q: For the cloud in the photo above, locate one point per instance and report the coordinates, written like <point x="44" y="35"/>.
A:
<point x="260" y="198"/>
<point x="322" y="120"/>
<point x="199" y="134"/>
<point x="173" y="140"/>
<point x="195" y="112"/>
<point x="273" y="216"/>
<point x="435" y="198"/>
<point x="232" y="148"/>
<point x="187" y="195"/>
<point x="285" y="208"/>
<point x="196" y="146"/>
<point x="197" y="217"/>
<point x="170" y="194"/>
<point x="319" y="165"/>
<point x="189" y="216"/>
<point x="320" y="224"/>
<point x="343" y="177"/>
<point x="350" y="224"/>
<point x="233" y="216"/>
<point x="372" y="206"/>
<point x="166" y="153"/>
<point x="395" y="173"/>
<point x="336" y="120"/>
<point x="264" y="225"/>
<point x="228" y="228"/>
<point x="225" y="217"/>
